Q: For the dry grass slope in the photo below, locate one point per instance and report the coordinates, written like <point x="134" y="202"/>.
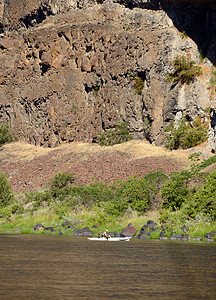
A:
<point x="30" y="167"/>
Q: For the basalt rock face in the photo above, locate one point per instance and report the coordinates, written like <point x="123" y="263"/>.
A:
<point x="68" y="76"/>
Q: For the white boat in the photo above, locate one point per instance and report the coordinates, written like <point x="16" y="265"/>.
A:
<point x="112" y="239"/>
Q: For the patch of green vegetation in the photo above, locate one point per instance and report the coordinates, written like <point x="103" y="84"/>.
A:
<point x="96" y="90"/>
<point x="184" y="71"/>
<point x="208" y="108"/>
<point x="120" y="134"/>
<point x="125" y="3"/>
<point x="147" y="127"/>
<point x="188" y="198"/>
<point x="138" y="84"/>
<point x="212" y="81"/>
<point x="194" y="157"/>
<point x="201" y="54"/>
<point x="74" y="108"/>
<point x="206" y="162"/>
<point x="189" y="194"/>
<point x="6" y="192"/>
<point x="184" y="34"/>
<point x="6" y="135"/>
<point x="184" y="135"/>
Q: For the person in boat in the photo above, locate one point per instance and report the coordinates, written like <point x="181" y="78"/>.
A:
<point x="105" y="234"/>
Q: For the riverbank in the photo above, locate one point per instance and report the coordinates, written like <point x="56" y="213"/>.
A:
<point x="79" y="223"/>
<point x="179" y="197"/>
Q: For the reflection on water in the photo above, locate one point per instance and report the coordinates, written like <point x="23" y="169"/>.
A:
<point x="54" y="267"/>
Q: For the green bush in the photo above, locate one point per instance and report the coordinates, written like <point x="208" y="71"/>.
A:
<point x="120" y="134"/>
<point x="184" y="71"/>
<point x="183" y="135"/>
<point x="204" y="199"/>
<point x="60" y="184"/>
<point x="6" y="135"/>
<point x="6" y="192"/>
<point x="38" y="198"/>
<point x="7" y="211"/>
<point x="175" y="191"/>
<point x="207" y="162"/>
<point x="96" y="192"/>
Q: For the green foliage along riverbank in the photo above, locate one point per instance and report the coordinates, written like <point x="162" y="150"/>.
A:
<point x="186" y="198"/>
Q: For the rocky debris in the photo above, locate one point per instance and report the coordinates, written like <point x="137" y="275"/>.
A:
<point x="83" y="232"/>
<point x="35" y="173"/>
<point x="128" y="231"/>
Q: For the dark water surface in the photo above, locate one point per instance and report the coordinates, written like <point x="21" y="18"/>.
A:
<point x="55" y="267"/>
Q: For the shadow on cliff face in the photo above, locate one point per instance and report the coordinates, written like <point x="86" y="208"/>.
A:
<point x="197" y="20"/>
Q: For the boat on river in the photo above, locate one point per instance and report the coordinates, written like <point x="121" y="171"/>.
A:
<point x="112" y="239"/>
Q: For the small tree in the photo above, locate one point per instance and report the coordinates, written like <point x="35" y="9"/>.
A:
<point x="6" y="136"/>
<point x="6" y="192"/>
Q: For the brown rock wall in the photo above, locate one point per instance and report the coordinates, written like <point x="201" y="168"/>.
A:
<point x="75" y="75"/>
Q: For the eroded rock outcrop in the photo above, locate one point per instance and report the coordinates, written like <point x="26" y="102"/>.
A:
<point x="66" y="77"/>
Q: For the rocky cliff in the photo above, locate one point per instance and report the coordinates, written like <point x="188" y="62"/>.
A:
<point x="70" y="69"/>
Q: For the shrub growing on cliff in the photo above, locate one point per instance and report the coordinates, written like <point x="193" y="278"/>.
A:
<point x="212" y="81"/>
<point x="184" y="71"/>
<point x="183" y="135"/>
<point x="120" y="134"/>
<point x="138" y="84"/>
<point x="6" y="135"/>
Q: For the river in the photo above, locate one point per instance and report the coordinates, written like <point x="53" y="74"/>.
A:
<point x="56" y="267"/>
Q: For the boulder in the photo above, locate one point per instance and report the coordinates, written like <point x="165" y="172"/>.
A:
<point x="69" y="227"/>
<point x="129" y="230"/>
<point x="142" y="236"/>
<point x="180" y="237"/>
<point x="199" y="238"/>
<point x="114" y="234"/>
<point x="83" y="232"/>
<point x="38" y="227"/>
<point x="210" y="235"/>
<point x="163" y="238"/>
<point x="151" y="224"/>
<point x="183" y="228"/>
<point x="161" y="235"/>
<point x="144" y="228"/>
<point x="49" y="228"/>
<point x="65" y="224"/>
